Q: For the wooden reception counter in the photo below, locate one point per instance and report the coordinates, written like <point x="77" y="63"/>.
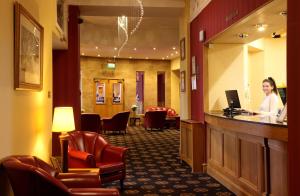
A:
<point x="248" y="154"/>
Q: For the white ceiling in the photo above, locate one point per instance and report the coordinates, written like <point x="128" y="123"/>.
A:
<point x="159" y="28"/>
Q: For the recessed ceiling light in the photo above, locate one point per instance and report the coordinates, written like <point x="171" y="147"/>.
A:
<point x="98" y="55"/>
<point x="134" y="48"/>
<point x="172" y="54"/>
<point x="154" y="48"/>
<point x="115" y="48"/>
<point x="147" y="57"/>
<point x="115" y="56"/>
<point x="176" y="52"/>
<point x="82" y="54"/>
<point x="174" y="48"/>
<point x="130" y="57"/>
<point x="243" y="35"/>
<point x="97" y="47"/>
<point x="261" y="27"/>
<point x="167" y="56"/>
<point x="163" y="58"/>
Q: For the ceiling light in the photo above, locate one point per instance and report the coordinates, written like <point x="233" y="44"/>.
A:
<point x="283" y="13"/>
<point x="97" y="47"/>
<point x="147" y="58"/>
<point x="98" y="55"/>
<point x="115" y="48"/>
<point x="154" y="48"/>
<point x="243" y="35"/>
<point x="130" y="57"/>
<point x="174" y="48"/>
<point x="261" y="27"/>
<point x="134" y="49"/>
<point x="172" y="54"/>
<point x="82" y="54"/>
<point x="115" y="56"/>
<point x="163" y="58"/>
<point x="176" y="52"/>
<point x="167" y="56"/>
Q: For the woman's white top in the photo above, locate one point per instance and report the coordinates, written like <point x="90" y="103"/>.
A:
<point x="269" y="105"/>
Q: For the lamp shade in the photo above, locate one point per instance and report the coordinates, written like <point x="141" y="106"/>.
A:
<point x="63" y="119"/>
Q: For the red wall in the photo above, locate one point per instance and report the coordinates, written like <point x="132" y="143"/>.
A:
<point x="293" y="72"/>
<point x="213" y="21"/>
<point x="66" y="74"/>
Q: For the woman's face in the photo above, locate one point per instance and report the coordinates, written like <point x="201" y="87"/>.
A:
<point x="267" y="88"/>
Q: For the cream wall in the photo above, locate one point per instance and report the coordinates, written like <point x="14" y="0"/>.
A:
<point x="175" y="84"/>
<point x="225" y="72"/>
<point x="25" y="116"/>
<point x="244" y="67"/>
<point x="184" y="32"/>
<point x="125" y="69"/>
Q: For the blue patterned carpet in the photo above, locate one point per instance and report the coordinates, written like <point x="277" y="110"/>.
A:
<point x="154" y="167"/>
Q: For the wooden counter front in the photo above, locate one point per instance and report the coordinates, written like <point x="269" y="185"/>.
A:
<point x="247" y="154"/>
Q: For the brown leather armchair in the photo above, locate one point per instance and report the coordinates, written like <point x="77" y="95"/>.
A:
<point x="117" y="123"/>
<point x="91" y="122"/>
<point x="155" y="120"/>
<point x="30" y="176"/>
<point x="90" y="150"/>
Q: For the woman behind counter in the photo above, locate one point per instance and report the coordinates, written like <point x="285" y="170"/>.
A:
<point x="269" y="105"/>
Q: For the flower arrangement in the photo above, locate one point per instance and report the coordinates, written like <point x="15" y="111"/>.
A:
<point x="134" y="107"/>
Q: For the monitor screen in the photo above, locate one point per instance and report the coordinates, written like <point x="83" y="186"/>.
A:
<point x="282" y="94"/>
<point x="233" y="97"/>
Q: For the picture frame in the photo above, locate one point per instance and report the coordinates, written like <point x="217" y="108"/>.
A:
<point x="28" y="50"/>
<point x="182" y="81"/>
<point x="182" y="49"/>
<point x="194" y="82"/>
<point x="100" y="93"/>
<point x="194" y="71"/>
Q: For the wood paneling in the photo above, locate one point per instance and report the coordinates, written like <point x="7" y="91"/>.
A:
<point x="240" y="160"/>
<point x="192" y="144"/>
<point x="293" y="80"/>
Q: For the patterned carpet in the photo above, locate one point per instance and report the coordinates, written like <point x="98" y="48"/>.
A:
<point x="154" y="167"/>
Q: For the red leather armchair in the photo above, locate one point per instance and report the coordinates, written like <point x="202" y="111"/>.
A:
<point x="155" y="120"/>
<point x="30" y="176"/>
<point x="117" y="123"/>
<point x="91" y="122"/>
<point x="89" y="150"/>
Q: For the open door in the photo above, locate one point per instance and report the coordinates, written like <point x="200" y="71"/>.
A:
<point x="109" y="97"/>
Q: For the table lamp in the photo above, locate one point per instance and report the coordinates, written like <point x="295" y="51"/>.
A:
<point x="63" y="122"/>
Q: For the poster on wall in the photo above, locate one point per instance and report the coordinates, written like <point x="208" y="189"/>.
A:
<point x="117" y="93"/>
<point x="194" y="65"/>
<point x="194" y="82"/>
<point x="100" y="93"/>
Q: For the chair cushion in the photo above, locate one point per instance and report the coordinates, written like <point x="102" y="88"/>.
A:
<point x="108" y="167"/>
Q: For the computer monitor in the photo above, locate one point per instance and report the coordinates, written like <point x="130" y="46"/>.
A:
<point x="282" y="94"/>
<point x="233" y="96"/>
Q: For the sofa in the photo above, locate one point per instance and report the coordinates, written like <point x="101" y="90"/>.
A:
<point x="170" y="112"/>
<point x="31" y="176"/>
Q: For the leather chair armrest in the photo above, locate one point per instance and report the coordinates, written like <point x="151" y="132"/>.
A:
<point x="94" y="191"/>
<point x="80" y="180"/>
<point x="114" y="153"/>
<point x="81" y="159"/>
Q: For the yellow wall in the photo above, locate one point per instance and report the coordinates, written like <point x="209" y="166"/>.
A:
<point x="25" y="117"/>
<point x="175" y="84"/>
<point x="225" y="72"/>
<point x="125" y="69"/>
<point x="184" y="32"/>
<point x="244" y="67"/>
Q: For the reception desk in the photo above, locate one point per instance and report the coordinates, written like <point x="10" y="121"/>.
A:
<point x="248" y="154"/>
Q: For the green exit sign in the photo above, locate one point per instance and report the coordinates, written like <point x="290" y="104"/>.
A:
<point x="111" y="65"/>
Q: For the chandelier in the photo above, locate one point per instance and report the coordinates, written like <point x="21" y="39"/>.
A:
<point x="128" y="25"/>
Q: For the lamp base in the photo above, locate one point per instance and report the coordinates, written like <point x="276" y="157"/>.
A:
<point x="64" y="151"/>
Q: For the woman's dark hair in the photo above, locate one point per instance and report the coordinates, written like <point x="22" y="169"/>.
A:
<point x="272" y="82"/>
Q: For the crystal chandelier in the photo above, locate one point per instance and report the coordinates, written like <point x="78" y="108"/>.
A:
<point x="128" y="25"/>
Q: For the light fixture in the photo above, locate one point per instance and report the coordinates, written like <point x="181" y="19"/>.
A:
<point x="176" y="52"/>
<point x="97" y="47"/>
<point x="261" y="27"/>
<point x="163" y="58"/>
<point x="154" y="48"/>
<point x="243" y="35"/>
<point x="147" y="58"/>
<point x="174" y="48"/>
<point x="116" y="49"/>
<point x="98" y="55"/>
<point x="134" y="49"/>
<point x="82" y="54"/>
<point x="115" y="56"/>
<point x="172" y="54"/>
<point x="63" y="122"/>
<point x="167" y="56"/>
<point x="283" y="13"/>
<point x="130" y="57"/>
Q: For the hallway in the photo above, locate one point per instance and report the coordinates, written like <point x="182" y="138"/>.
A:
<point x="154" y="168"/>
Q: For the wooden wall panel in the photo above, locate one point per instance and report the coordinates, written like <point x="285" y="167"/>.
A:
<point x="231" y="154"/>
<point x="216" y="147"/>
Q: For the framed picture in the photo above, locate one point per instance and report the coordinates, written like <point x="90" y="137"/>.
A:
<point x="182" y="49"/>
<point x="28" y="50"/>
<point x="182" y="81"/>
<point x="194" y="65"/>
<point x="194" y="82"/>
<point x="117" y="93"/>
<point x="100" y="93"/>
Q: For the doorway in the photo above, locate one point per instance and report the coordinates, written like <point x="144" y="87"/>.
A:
<point x="140" y="91"/>
<point x="161" y="89"/>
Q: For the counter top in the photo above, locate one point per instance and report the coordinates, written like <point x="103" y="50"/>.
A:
<point x="258" y="119"/>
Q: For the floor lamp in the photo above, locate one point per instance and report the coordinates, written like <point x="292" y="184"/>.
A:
<point x="63" y="122"/>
